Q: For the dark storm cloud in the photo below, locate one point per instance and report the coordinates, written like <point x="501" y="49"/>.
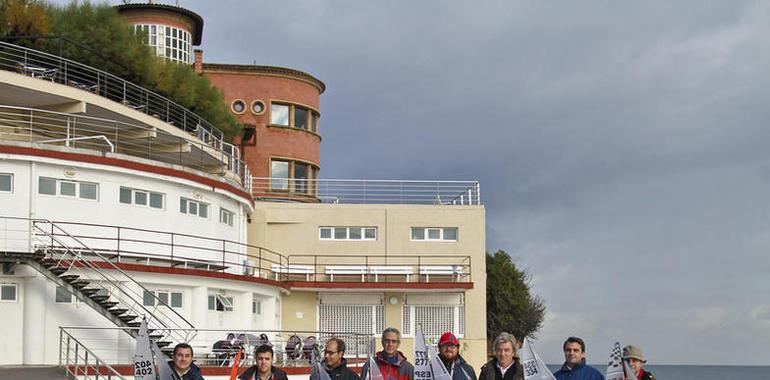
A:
<point x="622" y="147"/>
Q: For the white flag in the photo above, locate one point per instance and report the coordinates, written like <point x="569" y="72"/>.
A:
<point x="437" y="367"/>
<point x="164" y="370"/>
<point x="374" y="370"/>
<point x="615" y="364"/>
<point x="422" y="369"/>
<point x="144" y="363"/>
<point x="534" y="367"/>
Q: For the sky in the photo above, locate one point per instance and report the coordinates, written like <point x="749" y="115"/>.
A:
<point x="622" y="147"/>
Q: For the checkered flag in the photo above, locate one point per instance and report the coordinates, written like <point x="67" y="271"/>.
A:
<point x="615" y="364"/>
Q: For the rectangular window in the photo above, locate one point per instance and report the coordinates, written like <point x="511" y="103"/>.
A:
<point x="176" y="299"/>
<point x="226" y="217"/>
<point x="191" y="207"/>
<point x="148" y="298"/>
<point x="173" y="299"/>
<point x="347" y="233"/>
<point x="360" y="319"/>
<point x="8" y="292"/>
<point x="279" y="114"/>
<point x="219" y="302"/>
<point x="63" y="295"/>
<point x="279" y="171"/>
<point x="6" y="182"/>
<point x="141" y="197"/>
<point x="256" y="305"/>
<point x="68" y="188"/>
<point x="300" y="177"/>
<point x="434" y="319"/>
<point x="434" y="233"/>
<point x="300" y="117"/>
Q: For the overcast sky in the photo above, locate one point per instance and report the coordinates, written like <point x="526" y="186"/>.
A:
<point x="622" y="147"/>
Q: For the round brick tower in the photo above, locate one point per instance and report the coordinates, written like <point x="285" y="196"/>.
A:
<point x="171" y="31"/>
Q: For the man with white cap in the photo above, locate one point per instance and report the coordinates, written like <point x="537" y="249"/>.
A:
<point x="633" y="355"/>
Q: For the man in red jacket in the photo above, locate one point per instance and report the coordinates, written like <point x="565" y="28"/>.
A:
<point x="392" y="363"/>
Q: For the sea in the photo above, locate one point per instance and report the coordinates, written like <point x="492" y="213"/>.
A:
<point x="699" y="372"/>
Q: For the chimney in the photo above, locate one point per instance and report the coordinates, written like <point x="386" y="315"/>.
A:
<point x="198" y="65"/>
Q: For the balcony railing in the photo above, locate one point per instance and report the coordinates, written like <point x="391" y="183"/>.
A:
<point x="358" y="191"/>
<point x="168" y="249"/>
<point x="53" y="68"/>
<point x="55" y="128"/>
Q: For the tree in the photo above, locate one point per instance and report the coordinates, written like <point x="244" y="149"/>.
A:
<point x="510" y="305"/>
<point x="23" y="18"/>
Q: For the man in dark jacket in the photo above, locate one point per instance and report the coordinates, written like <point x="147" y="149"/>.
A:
<point x="575" y="367"/>
<point x="505" y="365"/>
<point x="182" y="363"/>
<point x="264" y="369"/>
<point x="392" y="363"/>
<point x="449" y="353"/>
<point x="334" y="362"/>
<point x="633" y="355"/>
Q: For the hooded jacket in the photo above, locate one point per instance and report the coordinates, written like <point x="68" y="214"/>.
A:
<point x="490" y="371"/>
<point x="461" y="370"/>
<point x="579" y="372"/>
<point x="397" y="368"/>
<point x="275" y="373"/>
<point x="342" y="372"/>
<point x="193" y="374"/>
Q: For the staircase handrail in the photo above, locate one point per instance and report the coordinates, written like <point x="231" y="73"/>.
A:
<point x="112" y="371"/>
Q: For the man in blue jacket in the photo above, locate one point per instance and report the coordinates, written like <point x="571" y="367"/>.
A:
<point x="575" y="367"/>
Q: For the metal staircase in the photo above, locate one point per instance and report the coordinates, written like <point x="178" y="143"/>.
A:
<point x="96" y="281"/>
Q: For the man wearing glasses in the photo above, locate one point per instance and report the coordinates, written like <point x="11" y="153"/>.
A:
<point x="392" y="363"/>
<point x="334" y="362"/>
<point x="449" y="353"/>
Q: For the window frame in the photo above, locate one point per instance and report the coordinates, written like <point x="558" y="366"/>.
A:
<point x="308" y="185"/>
<point x="221" y="299"/>
<point x="333" y="235"/>
<point x="426" y="234"/>
<point x="134" y="191"/>
<point x="10" y="178"/>
<point x="56" y="295"/>
<point x="15" y="287"/>
<point x="78" y="194"/>
<point x="232" y="106"/>
<point x="229" y="217"/>
<point x="311" y="116"/>
<point x="197" y="207"/>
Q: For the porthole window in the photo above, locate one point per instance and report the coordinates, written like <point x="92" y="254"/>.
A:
<point x="238" y="106"/>
<point x="257" y="107"/>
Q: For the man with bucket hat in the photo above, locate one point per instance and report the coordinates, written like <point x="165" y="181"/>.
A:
<point x="633" y="355"/>
<point x="449" y="353"/>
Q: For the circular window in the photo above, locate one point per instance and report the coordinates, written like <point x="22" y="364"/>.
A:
<point x="257" y="107"/>
<point x="238" y="106"/>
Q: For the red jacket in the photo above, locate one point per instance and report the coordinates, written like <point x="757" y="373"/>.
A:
<point x="398" y="369"/>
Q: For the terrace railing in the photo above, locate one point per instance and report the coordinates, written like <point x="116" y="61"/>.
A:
<point x="359" y="191"/>
<point x="55" y="128"/>
<point x="57" y="69"/>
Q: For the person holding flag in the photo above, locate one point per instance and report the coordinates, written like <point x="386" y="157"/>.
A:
<point x="390" y="361"/>
<point x="505" y="365"/>
<point x="449" y="353"/>
<point x="334" y="364"/>
<point x="633" y="355"/>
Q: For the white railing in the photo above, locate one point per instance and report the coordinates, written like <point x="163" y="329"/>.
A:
<point x="369" y="191"/>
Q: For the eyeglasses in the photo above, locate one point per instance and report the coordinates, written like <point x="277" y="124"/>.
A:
<point x="391" y="341"/>
<point x="327" y="352"/>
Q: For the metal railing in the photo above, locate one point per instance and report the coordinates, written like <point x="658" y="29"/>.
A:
<point x="31" y="125"/>
<point x="128" y="245"/>
<point x="358" y="191"/>
<point x="71" y="252"/>
<point x="217" y="347"/>
<point x="79" y="361"/>
<point x="62" y="70"/>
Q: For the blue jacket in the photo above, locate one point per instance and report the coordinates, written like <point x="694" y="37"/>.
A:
<point x="460" y="370"/>
<point x="579" y="372"/>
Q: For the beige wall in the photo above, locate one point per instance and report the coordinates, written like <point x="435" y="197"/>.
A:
<point x="292" y="229"/>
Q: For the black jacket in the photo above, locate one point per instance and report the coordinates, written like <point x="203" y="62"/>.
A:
<point x="460" y="369"/>
<point x="490" y="371"/>
<point x="277" y="373"/>
<point x="340" y="373"/>
<point x="193" y="374"/>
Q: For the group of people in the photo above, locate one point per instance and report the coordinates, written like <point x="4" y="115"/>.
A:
<point x="393" y="364"/>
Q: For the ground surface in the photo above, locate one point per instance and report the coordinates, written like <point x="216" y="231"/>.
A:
<point x="32" y="373"/>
